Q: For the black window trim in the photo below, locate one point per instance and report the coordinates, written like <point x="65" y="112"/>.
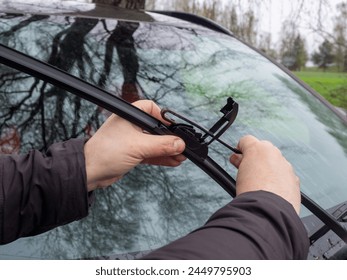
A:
<point x="102" y="98"/>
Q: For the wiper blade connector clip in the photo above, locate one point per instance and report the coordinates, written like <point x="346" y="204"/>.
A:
<point x="197" y="141"/>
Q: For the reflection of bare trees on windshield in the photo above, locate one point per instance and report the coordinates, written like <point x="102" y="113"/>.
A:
<point x="150" y="206"/>
<point x="43" y="114"/>
<point x="121" y="39"/>
<point x="36" y="108"/>
<point x="177" y="201"/>
<point x="111" y="227"/>
<point x="22" y="24"/>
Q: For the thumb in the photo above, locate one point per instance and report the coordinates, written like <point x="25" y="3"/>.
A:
<point x="161" y="146"/>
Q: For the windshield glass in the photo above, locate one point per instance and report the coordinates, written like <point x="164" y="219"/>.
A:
<point x="191" y="71"/>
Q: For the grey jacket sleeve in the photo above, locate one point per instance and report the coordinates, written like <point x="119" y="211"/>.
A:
<point x="41" y="191"/>
<point x="255" y="225"/>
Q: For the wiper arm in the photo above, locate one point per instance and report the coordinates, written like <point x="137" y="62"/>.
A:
<point x="340" y="216"/>
<point x="328" y="219"/>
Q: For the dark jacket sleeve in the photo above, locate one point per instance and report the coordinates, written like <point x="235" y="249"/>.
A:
<point x="41" y="191"/>
<point x="255" y="225"/>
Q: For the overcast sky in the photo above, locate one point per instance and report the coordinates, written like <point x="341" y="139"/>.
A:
<point x="274" y="12"/>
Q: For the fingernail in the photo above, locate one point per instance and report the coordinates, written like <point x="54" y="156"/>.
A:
<point x="179" y="145"/>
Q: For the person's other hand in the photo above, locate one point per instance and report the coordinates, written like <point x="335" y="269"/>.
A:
<point x="263" y="167"/>
<point x="118" y="146"/>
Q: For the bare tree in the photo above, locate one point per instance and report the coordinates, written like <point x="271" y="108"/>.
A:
<point x="293" y="51"/>
<point x="340" y="35"/>
<point x="151" y="4"/>
<point x="242" y="23"/>
<point x="265" y="45"/>
<point x="317" y="19"/>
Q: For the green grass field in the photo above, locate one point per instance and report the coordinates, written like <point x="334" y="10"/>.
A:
<point x="331" y="85"/>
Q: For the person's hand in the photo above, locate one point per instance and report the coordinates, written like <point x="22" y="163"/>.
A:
<point x="118" y="146"/>
<point x="263" y="167"/>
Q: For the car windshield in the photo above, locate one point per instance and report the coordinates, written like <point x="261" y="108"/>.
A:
<point x="189" y="70"/>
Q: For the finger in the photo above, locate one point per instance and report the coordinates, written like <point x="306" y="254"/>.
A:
<point x="151" y="108"/>
<point x="153" y="146"/>
<point x="180" y="157"/>
<point x="164" y="161"/>
<point x="246" y="142"/>
<point x="236" y="159"/>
